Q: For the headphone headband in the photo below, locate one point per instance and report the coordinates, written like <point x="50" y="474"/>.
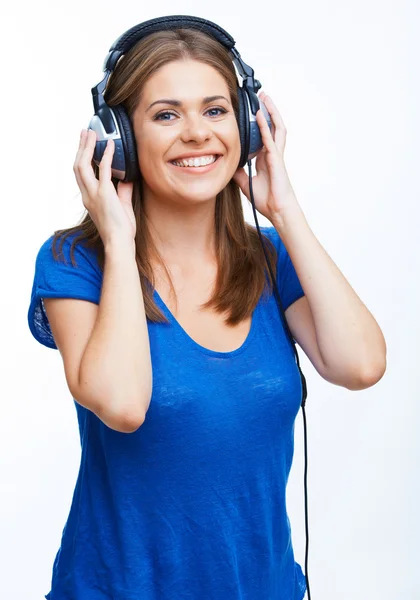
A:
<point x="138" y="32"/>
<point x="130" y="38"/>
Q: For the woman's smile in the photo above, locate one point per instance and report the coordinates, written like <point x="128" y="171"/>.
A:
<point x="194" y="167"/>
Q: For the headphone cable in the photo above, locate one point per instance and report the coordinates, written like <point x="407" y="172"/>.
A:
<point x="304" y="387"/>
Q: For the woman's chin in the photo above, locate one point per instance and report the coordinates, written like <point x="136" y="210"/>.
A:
<point x="199" y="191"/>
<point x="198" y="198"/>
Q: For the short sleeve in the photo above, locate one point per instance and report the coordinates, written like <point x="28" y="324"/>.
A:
<point x="58" y="278"/>
<point x="288" y="282"/>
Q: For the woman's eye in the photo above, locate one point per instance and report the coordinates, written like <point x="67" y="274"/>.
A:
<point x="223" y="111"/>
<point x="164" y="116"/>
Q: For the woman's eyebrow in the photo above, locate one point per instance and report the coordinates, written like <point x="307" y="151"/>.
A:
<point x="206" y="100"/>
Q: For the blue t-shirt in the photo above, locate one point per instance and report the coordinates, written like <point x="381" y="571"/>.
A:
<point x="192" y="505"/>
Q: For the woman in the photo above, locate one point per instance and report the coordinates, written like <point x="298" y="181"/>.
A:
<point x="184" y="380"/>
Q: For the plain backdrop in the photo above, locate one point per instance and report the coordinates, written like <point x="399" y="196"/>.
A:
<point x="344" y="76"/>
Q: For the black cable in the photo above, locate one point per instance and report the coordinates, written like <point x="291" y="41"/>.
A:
<point x="304" y="388"/>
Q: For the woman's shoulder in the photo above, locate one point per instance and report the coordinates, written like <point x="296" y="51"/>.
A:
<point x="68" y="248"/>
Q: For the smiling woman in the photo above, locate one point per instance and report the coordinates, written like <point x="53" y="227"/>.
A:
<point x="197" y="128"/>
<point x="183" y="373"/>
<point x="160" y="328"/>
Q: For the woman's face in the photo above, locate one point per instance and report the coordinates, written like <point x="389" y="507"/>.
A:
<point x="185" y="113"/>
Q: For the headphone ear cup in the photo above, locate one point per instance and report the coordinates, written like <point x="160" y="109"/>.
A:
<point x="243" y="126"/>
<point x="129" y="143"/>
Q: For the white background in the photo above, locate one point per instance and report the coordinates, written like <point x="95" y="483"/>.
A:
<point x="344" y="76"/>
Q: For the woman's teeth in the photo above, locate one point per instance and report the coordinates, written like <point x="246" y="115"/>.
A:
<point x="202" y="161"/>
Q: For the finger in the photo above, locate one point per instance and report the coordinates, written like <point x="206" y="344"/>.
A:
<point x="274" y="111"/>
<point x="125" y="192"/>
<point x="261" y="162"/>
<point x="105" y="172"/>
<point x="267" y="138"/>
<point x="85" y="169"/>
<point x="82" y="143"/>
<point x="263" y="96"/>
<point x="276" y="120"/>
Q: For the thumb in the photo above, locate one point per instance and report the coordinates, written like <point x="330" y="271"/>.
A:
<point x="125" y="192"/>
<point x="241" y="178"/>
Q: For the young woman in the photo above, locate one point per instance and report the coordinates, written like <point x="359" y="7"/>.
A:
<point x="184" y="381"/>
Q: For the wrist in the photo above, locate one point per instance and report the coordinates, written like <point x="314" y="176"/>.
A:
<point x="287" y="217"/>
<point x="116" y="246"/>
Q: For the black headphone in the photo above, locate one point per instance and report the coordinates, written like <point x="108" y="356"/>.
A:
<point x="114" y="122"/>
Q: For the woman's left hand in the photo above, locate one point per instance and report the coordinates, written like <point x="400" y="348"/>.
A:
<point x="273" y="192"/>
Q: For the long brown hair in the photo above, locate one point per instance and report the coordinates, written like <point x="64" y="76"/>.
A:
<point x="241" y="274"/>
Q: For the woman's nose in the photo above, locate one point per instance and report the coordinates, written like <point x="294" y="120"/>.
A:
<point x="196" y="129"/>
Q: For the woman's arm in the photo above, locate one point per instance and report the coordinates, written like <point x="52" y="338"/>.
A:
<point x="349" y="340"/>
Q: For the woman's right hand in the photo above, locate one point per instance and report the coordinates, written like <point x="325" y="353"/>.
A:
<point x="111" y="210"/>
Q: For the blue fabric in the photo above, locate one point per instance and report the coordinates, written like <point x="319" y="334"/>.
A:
<point x="192" y="505"/>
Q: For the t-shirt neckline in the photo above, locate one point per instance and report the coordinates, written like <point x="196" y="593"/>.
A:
<point x="198" y="346"/>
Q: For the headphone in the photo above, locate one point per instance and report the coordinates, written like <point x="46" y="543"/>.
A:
<point x="115" y="123"/>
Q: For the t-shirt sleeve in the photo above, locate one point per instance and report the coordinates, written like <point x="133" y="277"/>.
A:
<point x="58" y="278"/>
<point x="288" y="282"/>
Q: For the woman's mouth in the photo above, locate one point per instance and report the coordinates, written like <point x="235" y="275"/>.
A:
<point x="197" y="165"/>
